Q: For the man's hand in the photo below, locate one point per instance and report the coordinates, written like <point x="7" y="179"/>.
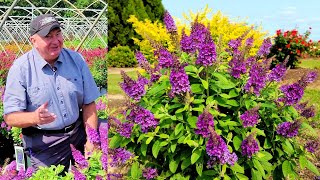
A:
<point x="43" y="116"/>
<point x="88" y="149"/>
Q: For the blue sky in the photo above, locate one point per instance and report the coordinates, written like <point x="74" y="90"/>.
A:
<point x="271" y="14"/>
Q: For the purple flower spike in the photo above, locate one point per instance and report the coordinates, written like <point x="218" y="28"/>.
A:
<point x="250" y="117"/>
<point x="306" y="79"/>
<point x="205" y="120"/>
<point x="249" y="42"/>
<point x="265" y="47"/>
<point x="249" y="146"/>
<point x="169" y="22"/>
<point x="103" y="132"/>
<point x="165" y="58"/>
<point x="288" y="129"/>
<point x="257" y="80"/>
<point x="186" y="43"/>
<point x="79" y="158"/>
<point x="134" y="89"/>
<point x="101" y="106"/>
<point x="143" y="117"/>
<point x="292" y="94"/>
<point x="150" y="173"/>
<point x="218" y="151"/>
<point x="77" y="174"/>
<point x="312" y="146"/>
<point x="93" y="135"/>
<point x="277" y="73"/>
<point x="119" y="156"/>
<point x="207" y="52"/>
<point x="179" y="82"/>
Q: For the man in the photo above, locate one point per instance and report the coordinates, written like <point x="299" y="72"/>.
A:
<point x="48" y="89"/>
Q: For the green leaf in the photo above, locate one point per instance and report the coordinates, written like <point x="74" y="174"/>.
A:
<point x="267" y="144"/>
<point x="303" y="161"/>
<point x="309" y="128"/>
<point x="226" y="96"/>
<point x="164" y="136"/>
<point x="258" y="131"/>
<point x="192" y="120"/>
<point x="256" y="174"/>
<point x="199" y="168"/>
<point x="163" y="143"/>
<point x="233" y="93"/>
<point x="225" y="85"/>
<point x="149" y="140"/>
<point x="115" y="141"/>
<point x="263" y="156"/>
<point x="144" y="149"/>
<point x="155" y="149"/>
<point x="237" y="168"/>
<point x="233" y="102"/>
<point x="135" y="171"/>
<point x="267" y="166"/>
<point x="313" y="168"/>
<point x="287" y="147"/>
<point x="242" y="176"/>
<point x="287" y="169"/>
<point x="185" y="163"/>
<point x="173" y="165"/>
<point x="192" y="143"/>
<point x="221" y="77"/>
<point x="173" y="147"/>
<point x="191" y="68"/>
<point x="195" y="156"/>
<point x="196" y="88"/>
<point x="198" y="101"/>
<point x="178" y="128"/>
<point x="237" y="140"/>
<point x="259" y="167"/>
<point x="180" y="110"/>
<point x="205" y="84"/>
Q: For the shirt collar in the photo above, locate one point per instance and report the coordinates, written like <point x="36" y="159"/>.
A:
<point x="42" y="63"/>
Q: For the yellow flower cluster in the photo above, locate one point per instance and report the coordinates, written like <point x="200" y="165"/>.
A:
<point x="221" y="27"/>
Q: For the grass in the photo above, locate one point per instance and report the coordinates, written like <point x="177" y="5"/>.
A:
<point x="89" y="43"/>
<point x="313" y="96"/>
<point x="115" y="79"/>
<point x="310" y="63"/>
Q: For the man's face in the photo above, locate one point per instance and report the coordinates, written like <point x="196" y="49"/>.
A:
<point x="49" y="47"/>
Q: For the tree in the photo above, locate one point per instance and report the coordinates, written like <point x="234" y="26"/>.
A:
<point x="120" y="32"/>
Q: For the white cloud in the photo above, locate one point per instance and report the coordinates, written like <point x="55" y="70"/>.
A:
<point x="288" y="11"/>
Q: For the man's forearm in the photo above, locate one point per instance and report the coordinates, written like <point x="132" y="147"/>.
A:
<point x="20" y="119"/>
<point x="90" y="115"/>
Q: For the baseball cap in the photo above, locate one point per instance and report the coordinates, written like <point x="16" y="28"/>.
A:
<point x="43" y="24"/>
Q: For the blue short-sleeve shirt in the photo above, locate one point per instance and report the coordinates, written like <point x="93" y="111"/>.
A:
<point x="67" y="86"/>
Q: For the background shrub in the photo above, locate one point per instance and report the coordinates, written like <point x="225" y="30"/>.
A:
<point x="121" y="56"/>
<point x="290" y="43"/>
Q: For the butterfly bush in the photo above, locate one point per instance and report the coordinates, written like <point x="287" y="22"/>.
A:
<point x="203" y="115"/>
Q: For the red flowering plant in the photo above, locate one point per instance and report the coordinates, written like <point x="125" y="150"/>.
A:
<point x="194" y="115"/>
<point x="290" y="43"/>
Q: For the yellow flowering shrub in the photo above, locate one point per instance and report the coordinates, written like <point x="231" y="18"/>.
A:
<point x="150" y="30"/>
<point x="221" y="27"/>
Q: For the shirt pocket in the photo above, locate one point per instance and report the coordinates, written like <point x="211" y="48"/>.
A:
<point x="38" y="95"/>
<point x="74" y="86"/>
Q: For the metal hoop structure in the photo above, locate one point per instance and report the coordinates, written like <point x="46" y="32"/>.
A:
<point x="80" y="30"/>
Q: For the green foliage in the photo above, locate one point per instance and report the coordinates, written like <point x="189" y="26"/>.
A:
<point x="120" y="32"/>
<point x="290" y="43"/>
<point x="51" y="173"/>
<point x="177" y="151"/>
<point x="121" y="56"/>
<point x="99" y="70"/>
